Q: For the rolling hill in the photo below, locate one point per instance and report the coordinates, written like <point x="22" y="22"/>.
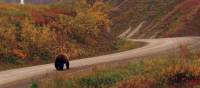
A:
<point x="163" y="18"/>
<point x="33" y="34"/>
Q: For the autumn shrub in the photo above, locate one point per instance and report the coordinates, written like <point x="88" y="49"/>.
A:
<point x="180" y="74"/>
<point x="36" y="42"/>
<point x="185" y="69"/>
<point x="172" y="74"/>
<point x="24" y="40"/>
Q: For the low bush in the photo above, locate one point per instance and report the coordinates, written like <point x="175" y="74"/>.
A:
<point x="11" y="59"/>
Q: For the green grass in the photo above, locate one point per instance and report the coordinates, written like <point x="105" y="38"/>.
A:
<point x="153" y="72"/>
<point x="123" y="45"/>
<point x="34" y="85"/>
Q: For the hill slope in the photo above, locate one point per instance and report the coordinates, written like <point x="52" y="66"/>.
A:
<point x="164" y="18"/>
<point x="34" y="34"/>
<point x="183" y="20"/>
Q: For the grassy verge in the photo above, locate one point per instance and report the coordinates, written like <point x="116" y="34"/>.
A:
<point x="117" y="46"/>
<point x="124" y="45"/>
<point x="155" y="72"/>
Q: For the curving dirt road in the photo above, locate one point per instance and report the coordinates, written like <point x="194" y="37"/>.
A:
<point x="153" y="46"/>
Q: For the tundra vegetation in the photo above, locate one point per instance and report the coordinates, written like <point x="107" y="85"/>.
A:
<point x="164" y="18"/>
<point x="33" y="34"/>
<point x="134" y="12"/>
<point x="164" y="71"/>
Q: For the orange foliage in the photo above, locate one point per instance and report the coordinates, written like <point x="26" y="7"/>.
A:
<point x="19" y="53"/>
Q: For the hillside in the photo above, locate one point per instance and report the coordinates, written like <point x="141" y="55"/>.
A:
<point x="183" y="20"/>
<point x="34" y="34"/>
<point x="163" y="18"/>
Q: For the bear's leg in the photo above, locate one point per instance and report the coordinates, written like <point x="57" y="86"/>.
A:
<point x="67" y="64"/>
<point x="57" y="66"/>
<point x="61" y="66"/>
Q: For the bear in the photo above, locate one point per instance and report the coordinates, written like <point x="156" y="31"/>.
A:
<point x="60" y="61"/>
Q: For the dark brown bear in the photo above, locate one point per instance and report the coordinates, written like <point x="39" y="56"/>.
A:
<point x="60" y="61"/>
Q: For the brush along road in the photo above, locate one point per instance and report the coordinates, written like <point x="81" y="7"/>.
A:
<point x="154" y="46"/>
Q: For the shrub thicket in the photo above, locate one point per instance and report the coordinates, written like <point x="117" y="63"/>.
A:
<point x="31" y="33"/>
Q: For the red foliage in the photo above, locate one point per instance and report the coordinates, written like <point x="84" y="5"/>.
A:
<point x="37" y="17"/>
<point x="55" y="11"/>
<point x="46" y="17"/>
<point x="19" y="53"/>
<point x="193" y="83"/>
